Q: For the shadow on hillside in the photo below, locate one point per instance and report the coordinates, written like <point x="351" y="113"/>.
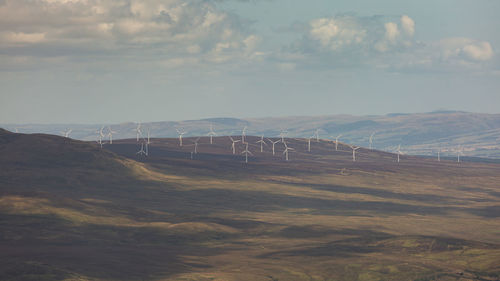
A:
<point x="58" y="249"/>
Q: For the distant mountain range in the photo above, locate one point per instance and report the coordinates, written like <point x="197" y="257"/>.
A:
<point x="476" y="134"/>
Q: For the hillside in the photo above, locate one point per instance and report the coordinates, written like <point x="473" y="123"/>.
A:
<point x="419" y="133"/>
<point x="71" y="211"/>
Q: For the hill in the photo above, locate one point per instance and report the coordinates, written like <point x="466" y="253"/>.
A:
<point x="72" y="211"/>
<point x="419" y="133"/>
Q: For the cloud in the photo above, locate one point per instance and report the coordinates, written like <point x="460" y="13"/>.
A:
<point x="408" y="25"/>
<point x="192" y="30"/>
<point x="380" y="42"/>
<point x="460" y="48"/>
<point x="335" y="34"/>
<point x="480" y="51"/>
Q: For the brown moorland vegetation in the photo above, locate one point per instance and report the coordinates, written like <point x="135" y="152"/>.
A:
<point x="71" y="211"/>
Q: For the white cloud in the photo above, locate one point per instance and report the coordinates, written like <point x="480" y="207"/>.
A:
<point x="335" y="34"/>
<point x="480" y="51"/>
<point x="408" y="25"/>
<point x="384" y="43"/>
<point x="391" y="31"/>
<point x="142" y="30"/>
<point x="460" y="48"/>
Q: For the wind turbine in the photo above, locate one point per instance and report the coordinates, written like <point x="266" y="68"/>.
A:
<point x="17" y="130"/>
<point x="233" y="144"/>
<point x="459" y="152"/>
<point x="64" y="133"/>
<point x="110" y="135"/>
<point x="274" y="143"/>
<point x="246" y="152"/>
<point x="337" y="142"/>
<point x="181" y="133"/>
<point x="439" y="155"/>
<point x="316" y="134"/>
<point x="149" y="135"/>
<point x="243" y="134"/>
<point x="371" y="139"/>
<point x="399" y="151"/>
<point x="286" y="150"/>
<point x="101" y="135"/>
<point x="354" y="148"/>
<point x="138" y="131"/>
<point x="282" y="135"/>
<point x="309" y="143"/>
<point x="142" y="151"/>
<point x="262" y="142"/>
<point x="211" y="133"/>
<point x="196" y="145"/>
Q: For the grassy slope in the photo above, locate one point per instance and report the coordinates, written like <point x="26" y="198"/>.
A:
<point x="70" y="211"/>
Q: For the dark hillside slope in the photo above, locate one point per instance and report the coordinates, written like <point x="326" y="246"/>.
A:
<point x="70" y="210"/>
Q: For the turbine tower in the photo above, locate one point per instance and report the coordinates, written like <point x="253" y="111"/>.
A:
<point x="309" y="143"/>
<point x="337" y="142"/>
<point x="287" y="149"/>
<point x="243" y="134"/>
<point x="274" y="143"/>
<point x="211" y="133"/>
<point x="149" y="135"/>
<point x="246" y="152"/>
<point x="138" y="131"/>
<point x="316" y="135"/>
<point x="181" y="133"/>
<point x="354" y="148"/>
<point x="233" y="144"/>
<point x="371" y="140"/>
<point x="282" y="135"/>
<point x="399" y="151"/>
<point x="100" y="136"/>
<point x="196" y="145"/>
<point x="262" y="142"/>
<point x="110" y="135"/>
<point x="459" y="152"/>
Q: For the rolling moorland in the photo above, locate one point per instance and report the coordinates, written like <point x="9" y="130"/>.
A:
<point x="419" y="133"/>
<point x="70" y="210"/>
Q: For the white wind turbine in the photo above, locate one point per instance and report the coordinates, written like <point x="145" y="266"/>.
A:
<point x="287" y="149"/>
<point x="399" y="152"/>
<point x="316" y="135"/>
<point x="246" y="152"/>
<point x="233" y="144"/>
<point x="439" y="155"/>
<point x="371" y="140"/>
<point x="460" y="151"/>
<point x="274" y="143"/>
<point x="110" y="135"/>
<point x="196" y="145"/>
<point x="211" y="133"/>
<point x="262" y="142"/>
<point x="283" y="133"/>
<point x="243" y="134"/>
<point x="309" y="143"/>
<point x="181" y="133"/>
<point x="149" y="136"/>
<point x="142" y="151"/>
<point x="138" y="131"/>
<point x="354" y="148"/>
<point x="337" y="142"/>
<point x="17" y="130"/>
<point x="100" y="136"/>
<point x="64" y="133"/>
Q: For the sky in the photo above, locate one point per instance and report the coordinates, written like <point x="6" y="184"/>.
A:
<point x="113" y="61"/>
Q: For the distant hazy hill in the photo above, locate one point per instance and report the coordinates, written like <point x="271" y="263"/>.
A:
<point x="421" y="133"/>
